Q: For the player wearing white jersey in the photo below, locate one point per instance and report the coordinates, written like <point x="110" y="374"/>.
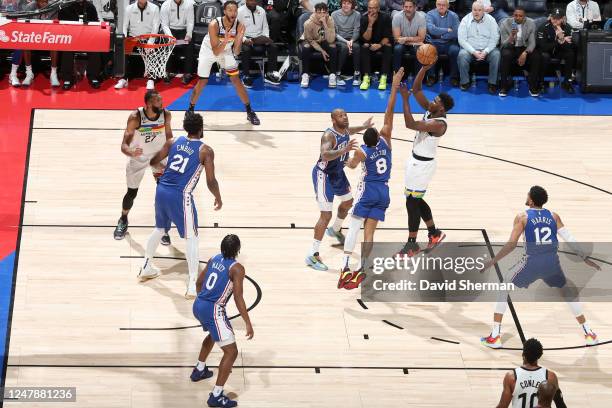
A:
<point x="521" y="384"/>
<point x="421" y="165"/>
<point x="147" y="130"/>
<point x="220" y="45"/>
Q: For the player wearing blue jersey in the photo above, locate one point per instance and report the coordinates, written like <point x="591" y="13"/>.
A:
<point x="329" y="180"/>
<point x="372" y="198"/>
<point x="174" y="200"/>
<point x="540" y="228"/>
<point x="222" y="277"/>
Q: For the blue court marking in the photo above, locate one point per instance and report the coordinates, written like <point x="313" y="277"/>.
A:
<point x="6" y="287"/>
<point x="289" y="97"/>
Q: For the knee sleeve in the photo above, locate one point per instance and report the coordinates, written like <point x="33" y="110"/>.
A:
<point x="414" y="213"/>
<point x="425" y="210"/>
<point x="128" y="198"/>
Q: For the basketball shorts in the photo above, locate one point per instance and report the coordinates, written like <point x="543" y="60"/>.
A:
<point x="135" y="170"/>
<point x="417" y="176"/>
<point x="207" y="59"/>
<point x="214" y="320"/>
<point x="326" y="186"/>
<point x="371" y="200"/>
<point x="174" y="207"/>
<point x="531" y="268"/>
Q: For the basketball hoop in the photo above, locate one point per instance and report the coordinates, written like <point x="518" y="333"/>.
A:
<point x="155" y="50"/>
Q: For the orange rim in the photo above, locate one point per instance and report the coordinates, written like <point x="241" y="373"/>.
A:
<point x="141" y="41"/>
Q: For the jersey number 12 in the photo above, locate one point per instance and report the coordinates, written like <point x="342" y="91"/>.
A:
<point x="179" y="163"/>
<point x="542" y="235"/>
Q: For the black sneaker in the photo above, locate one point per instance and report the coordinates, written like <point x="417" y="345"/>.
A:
<point x="165" y="241"/>
<point x="252" y="117"/>
<point x="248" y="82"/>
<point x="454" y="82"/>
<point x="272" y="79"/>
<point x="120" y="230"/>
<point x="503" y="92"/>
<point x="534" y="92"/>
<point x="567" y="86"/>
<point x="67" y="85"/>
<point x="95" y="84"/>
<point x="465" y="87"/>
<point x="187" y="79"/>
<point x="492" y="89"/>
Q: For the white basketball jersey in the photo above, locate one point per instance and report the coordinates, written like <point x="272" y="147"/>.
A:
<point x="525" y="393"/>
<point x="150" y="135"/>
<point x="425" y="145"/>
<point x="233" y="31"/>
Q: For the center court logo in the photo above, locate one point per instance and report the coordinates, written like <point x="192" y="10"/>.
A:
<point x="3" y="36"/>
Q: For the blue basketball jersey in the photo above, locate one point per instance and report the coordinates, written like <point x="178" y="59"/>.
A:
<point x="377" y="164"/>
<point x="540" y="232"/>
<point x="184" y="167"/>
<point x="336" y="165"/>
<point x="217" y="286"/>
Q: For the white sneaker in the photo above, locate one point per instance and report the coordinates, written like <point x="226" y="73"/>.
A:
<point x="332" y="83"/>
<point x="53" y="79"/>
<point x="13" y="80"/>
<point x="340" y="81"/>
<point x="191" y="290"/>
<point x="150" y="84"/>
<point x="305" y="81"/>
<point x="149" y="271"/>
<point x="27" y="81"/>
<point x="356" y="79"/>
<point x="122" y="83"/>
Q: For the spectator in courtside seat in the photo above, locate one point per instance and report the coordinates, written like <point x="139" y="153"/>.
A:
<point x="496" y="9"/>
<point x="409" y="29"/>
<point x="554" y="40"/>
<point x="376" y="37"/>
<point x="177" y="19"/>
<point x="347" y="22"/>
<point x="319" y="35"/>
<point x="442" y="28"/>
<point x="581" y="13"/>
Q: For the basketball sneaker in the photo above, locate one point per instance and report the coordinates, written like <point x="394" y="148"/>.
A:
<point x="305" y="81"/>
<point x="338" y="235"/>
<point x="409" y="250"/>
<point x="591" y="339"/>
<point x="53" y="78"/>
<point x="435" y="238"/>
<point x="197" y="375"/>
<point x="355" y="280"/>
<point x="14" y="80"/>
<point x="345" y="276"/>
<point x="148" y="271"/>
<point x="492" y="342"/>
<point x="27" y="81"/>
<point x="314" y="261"/>
<point x="220" y="401"/>
<point x="252" y="117"/>
<point x="382" y="84"/>
<point x="165" y="241"/>
<point x="365" y="83"/>
<point x="122" y="83"/>
<point x="120" y="230"/>
<point x="332" y="82"/>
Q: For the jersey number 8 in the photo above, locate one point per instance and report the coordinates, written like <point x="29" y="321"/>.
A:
<point x="381" y="165"/>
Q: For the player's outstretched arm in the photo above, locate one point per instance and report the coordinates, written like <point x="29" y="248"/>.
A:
<point x="356" y="129"/>
<point x="506" y="396"/>
<point x="162" y="154"/>
<point x="132" y="124"/>
<point x="237" y="273"/>
<point x="357" y="158"/>
<point x="328" y="150"/>
<point x="387" y="128"/>
<point x="517" y="230"/>
<point x="168" y="124"/>
<point x="417" y="87"/>
<point x="202" y="276"/>
<point x="567" y="236"/>
<point x="207" y="158"/>
<point x="433" y="127"/>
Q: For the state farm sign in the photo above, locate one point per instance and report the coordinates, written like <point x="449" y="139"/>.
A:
<point x="49" y="35"/>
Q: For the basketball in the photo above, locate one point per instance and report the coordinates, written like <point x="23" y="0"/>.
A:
<point x="427" y="54"/>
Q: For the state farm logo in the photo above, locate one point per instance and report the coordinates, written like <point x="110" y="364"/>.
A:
<point x="3" y="36"/>
<point x="45" y="37"/>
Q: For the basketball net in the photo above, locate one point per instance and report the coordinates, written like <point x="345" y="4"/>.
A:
<point x="155" y="50"/>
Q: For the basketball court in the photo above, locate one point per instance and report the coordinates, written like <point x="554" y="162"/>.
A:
<point x="81" y="318"/>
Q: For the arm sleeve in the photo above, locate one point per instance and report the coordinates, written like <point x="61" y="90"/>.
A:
<point x="571" y="241"/>
<point x="164" y="17"/>
<point x="432" y="29"/>
<point x="190" y="16"/>
<point x="462" y="35"/>
<point x="494" y="36"/>
<point x="572" y="18"/>
<point x="126" y="21"/>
